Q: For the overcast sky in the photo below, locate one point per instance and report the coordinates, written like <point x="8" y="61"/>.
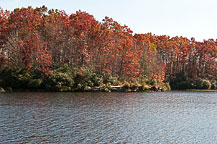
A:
<point x="188" y="18"/>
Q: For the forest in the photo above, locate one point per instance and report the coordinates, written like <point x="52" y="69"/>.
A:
<point x="48" y="49"/>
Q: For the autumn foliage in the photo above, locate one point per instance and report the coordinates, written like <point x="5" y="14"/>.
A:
<point x="39" y="38"/>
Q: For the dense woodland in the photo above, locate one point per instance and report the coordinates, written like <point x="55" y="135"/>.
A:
<point x="41" y="41"/>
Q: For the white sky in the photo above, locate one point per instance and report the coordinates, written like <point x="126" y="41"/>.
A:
<point x="188" y="18"/>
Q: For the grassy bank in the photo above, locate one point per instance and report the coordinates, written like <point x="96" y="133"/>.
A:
<point x="66" y="79"/>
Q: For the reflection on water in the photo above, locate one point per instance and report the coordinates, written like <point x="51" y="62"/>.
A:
<point x="169" y="117"/>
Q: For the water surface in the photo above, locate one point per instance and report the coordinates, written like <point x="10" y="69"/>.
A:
<point x="168" y="117"/>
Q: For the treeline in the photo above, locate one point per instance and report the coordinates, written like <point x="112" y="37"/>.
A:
<point x="40" y="39"/>
<point x="189" y="64"/>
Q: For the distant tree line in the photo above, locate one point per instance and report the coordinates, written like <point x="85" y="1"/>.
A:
<point x="37" y="39"/>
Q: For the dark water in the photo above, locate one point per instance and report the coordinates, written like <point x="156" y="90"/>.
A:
<point x="169" y="117"/>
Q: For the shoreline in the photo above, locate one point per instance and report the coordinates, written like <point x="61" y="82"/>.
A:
<point x="112" y="89"/>
<point x="201" y="90"/>
<point x="94" y="89"/>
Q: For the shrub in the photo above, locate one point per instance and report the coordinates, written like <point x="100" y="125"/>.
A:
<point x="151" y="81"/>
<point x="203" y="84"/>
<point x="83" y="79"/>
<point x="145" y="87"/>
<point x="18" y="78"/>
<point x="35" y="83"/>
<point x="214" y="84"/>
<point x="108" y="78"/>
<point x="59" y="81"/>
<point x="182" y="85"/>
<point x="106" y="87"/>
<point x="97" y="79"/>
<point x="166" y="87"/>
<point x="15" y="78"/>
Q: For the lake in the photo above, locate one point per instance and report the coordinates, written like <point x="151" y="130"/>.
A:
<point x="163" y="117"/>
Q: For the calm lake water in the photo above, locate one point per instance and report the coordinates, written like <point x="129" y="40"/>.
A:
<point x="89" y="118"/>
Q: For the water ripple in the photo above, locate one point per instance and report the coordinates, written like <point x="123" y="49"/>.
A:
<point x="171" y="117"/>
